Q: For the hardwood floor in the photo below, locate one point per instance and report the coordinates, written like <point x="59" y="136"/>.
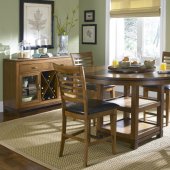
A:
<point x="10" y="160"/>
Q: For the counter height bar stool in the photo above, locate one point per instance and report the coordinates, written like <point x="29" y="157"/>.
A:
<point x="146" y="89"/>
<point x="86" y="59"/>
<point x="76" y="105"/>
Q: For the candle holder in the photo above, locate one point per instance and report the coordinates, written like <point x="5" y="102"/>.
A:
<point x="24" y="50"/>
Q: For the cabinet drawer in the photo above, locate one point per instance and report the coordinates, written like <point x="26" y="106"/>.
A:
<point x="24" y="68"/>
<point x="63" y="61"/>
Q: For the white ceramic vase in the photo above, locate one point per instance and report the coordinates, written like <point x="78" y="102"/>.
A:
<point x="62" y="45"/>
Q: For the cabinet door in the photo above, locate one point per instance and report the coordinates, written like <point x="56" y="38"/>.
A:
<point x="30" y="89"/>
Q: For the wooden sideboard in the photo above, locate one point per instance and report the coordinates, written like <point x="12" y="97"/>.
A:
<point x="31" y="83"/>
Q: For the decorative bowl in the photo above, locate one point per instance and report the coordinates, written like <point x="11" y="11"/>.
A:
<point x="149" y="63"/>
<point x="124" y="64"/>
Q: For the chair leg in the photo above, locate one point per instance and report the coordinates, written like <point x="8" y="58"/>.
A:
<point x="113" y="118"/>
<point x="92" y="94"/>
<point x="112" y="93"/>
<point x="94" y="122"/>
<point x="145" y="94"/>
<point x="63" y="138"/>
<point x="167" y="106"/>
<point x="87" y="140"/>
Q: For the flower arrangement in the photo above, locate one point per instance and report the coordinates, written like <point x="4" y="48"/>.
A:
<point x="64" y="28"/>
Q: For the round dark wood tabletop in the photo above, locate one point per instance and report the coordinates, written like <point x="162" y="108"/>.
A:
<point x="101" y="73"/>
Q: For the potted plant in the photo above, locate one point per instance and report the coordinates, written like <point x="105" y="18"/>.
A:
<point x="64" y="27"/>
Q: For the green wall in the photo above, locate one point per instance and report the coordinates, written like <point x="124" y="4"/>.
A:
<point x="9" y="29"/>
<point x="167" y="36"/>
<point x="99" y="48"/>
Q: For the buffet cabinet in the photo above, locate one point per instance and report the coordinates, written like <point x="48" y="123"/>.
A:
<point x="31" y="83"/>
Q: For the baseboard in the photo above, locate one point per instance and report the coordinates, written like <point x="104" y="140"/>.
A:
<point x="1" y="106"/>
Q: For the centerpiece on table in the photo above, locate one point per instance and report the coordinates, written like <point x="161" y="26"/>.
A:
<point x="63" y="30"/>
<point x="127" y="65"/>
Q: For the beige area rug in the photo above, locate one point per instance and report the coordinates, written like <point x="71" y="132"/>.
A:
<point x="37" y="138"/>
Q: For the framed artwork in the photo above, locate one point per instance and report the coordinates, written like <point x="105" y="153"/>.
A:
<point x="89" y="34"/>
<point x="36" y="23"/>
<point x="89" y="16"/>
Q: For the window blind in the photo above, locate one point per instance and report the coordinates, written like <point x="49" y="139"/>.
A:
<point x="134" y="8"/>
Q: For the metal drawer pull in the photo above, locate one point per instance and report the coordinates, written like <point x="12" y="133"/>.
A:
<point x="34" y="67"/>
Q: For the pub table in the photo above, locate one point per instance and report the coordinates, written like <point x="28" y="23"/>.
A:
<point x="131" y="129"/>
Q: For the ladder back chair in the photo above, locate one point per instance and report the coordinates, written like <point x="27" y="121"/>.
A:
<point x="75" y="104"/>
<point x="146" y="89"/>
<point x="86" y="59"/>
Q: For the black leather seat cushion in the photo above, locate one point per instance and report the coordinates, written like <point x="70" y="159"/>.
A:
<point x="94" y="106"/>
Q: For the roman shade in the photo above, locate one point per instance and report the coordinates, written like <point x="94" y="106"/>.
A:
<point x="134" y="8"/>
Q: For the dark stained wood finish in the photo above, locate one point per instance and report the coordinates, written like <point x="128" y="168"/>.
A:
<point x="102" y="75"/>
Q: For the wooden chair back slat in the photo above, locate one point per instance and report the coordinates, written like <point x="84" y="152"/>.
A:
<point x="72" y="84"/>
<point x="83" y="58"/>
<point x="72" y="99"/>
<point x="166" y="58"/>
<point x="75" y="93"/>
<point x="76" y="88"/>
<point x="86" y="59"/>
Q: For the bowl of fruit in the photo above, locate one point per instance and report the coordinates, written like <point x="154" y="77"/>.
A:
<point x="125" y="63"/>
<point x="149" y="63"/>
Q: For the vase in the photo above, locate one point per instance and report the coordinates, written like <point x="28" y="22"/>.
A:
<point x="62" y="45"/>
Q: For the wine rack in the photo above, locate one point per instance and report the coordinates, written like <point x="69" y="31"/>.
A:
<point x="48" y="85"/>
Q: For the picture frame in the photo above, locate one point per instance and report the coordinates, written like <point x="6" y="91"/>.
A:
<point x="89" y="33"/>
<point x="37" y="34"/>
<point x="89" y="16"/>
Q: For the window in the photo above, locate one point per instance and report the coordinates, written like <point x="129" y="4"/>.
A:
<point x="136" y="37"/>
